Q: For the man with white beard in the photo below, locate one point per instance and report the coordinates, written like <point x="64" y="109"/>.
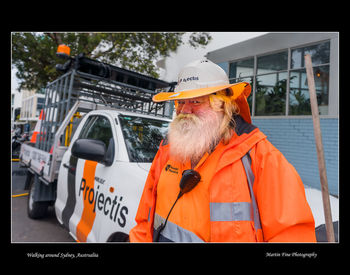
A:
<point x="195" y="130"/>
<point x="216" y="177"/>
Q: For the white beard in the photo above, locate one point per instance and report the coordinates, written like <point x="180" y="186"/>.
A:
<point x="191" y="136"/>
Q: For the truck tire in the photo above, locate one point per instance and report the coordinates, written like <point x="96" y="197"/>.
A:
<point x="36" y="210"/>
<point x="118" y="237"/>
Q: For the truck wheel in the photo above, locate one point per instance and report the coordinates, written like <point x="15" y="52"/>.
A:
<point x="36" y="210"/>
<point x="118" y="237"/>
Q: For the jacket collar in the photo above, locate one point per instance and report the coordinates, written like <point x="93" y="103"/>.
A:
<point x="245" y="137"/>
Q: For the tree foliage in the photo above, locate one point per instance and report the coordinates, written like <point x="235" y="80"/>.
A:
<point x="34" y="54"/>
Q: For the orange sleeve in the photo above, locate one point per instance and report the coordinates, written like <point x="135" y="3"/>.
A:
<point x="140" y="233"/>
<point x="284" y="211"/>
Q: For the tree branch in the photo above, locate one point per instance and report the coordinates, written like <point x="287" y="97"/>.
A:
<point x="55" y="37"/>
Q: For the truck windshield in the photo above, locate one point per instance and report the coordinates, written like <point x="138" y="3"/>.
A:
<point x="142" y="136"/>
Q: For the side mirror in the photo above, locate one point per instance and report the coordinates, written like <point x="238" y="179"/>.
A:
<point x="89" y="149"/>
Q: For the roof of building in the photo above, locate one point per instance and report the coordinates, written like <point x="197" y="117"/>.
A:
<point x="267" y="43"/>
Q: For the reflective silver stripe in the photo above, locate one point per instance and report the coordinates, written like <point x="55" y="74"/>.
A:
<point x="157" y="220"/>
<point x="149" y="214"/>
<point x="174" y="232"/>
<point x="250" y="177"/>
<point x="230" y="211"/>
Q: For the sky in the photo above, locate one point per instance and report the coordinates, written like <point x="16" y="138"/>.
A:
<point x="186" y="54"/>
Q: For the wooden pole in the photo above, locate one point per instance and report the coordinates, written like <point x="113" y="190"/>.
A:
<point x="319" y="148"/>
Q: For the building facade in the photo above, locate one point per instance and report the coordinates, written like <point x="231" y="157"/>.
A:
<point x="280" y="105"/>
<point x="32" y="103"/>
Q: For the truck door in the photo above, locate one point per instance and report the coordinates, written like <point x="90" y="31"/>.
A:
<point x="66" y="183"/>
<point x="89" y="222"/>
<point x="84" y="220"/>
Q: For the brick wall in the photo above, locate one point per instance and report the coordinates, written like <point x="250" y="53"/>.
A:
<point x="294" y="137"/>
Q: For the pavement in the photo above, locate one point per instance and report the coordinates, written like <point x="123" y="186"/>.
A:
<point x="24" y="229"/>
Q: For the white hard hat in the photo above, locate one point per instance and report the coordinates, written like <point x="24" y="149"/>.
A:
<point x="203" y="77"/>
<point x="201" y="74"/>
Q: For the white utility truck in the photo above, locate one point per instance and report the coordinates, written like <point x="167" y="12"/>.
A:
<point x="99" y="133"/>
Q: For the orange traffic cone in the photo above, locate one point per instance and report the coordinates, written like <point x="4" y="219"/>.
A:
<point x="37" y="127"/>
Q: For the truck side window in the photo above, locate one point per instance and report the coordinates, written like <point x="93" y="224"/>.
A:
<point x="97" y="127"/>
<point x="87" y="126"/>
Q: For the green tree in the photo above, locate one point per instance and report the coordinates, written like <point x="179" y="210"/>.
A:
<point x="34" y="54"/>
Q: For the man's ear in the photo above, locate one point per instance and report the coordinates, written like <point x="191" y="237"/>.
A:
<point x="229" y="92"/>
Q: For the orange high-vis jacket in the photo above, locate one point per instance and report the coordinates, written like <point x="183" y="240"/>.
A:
<point x="225" y="213"/>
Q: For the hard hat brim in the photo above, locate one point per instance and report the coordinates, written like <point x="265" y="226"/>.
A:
<point x="240" y="93"/>
<point x="236" y="88"/>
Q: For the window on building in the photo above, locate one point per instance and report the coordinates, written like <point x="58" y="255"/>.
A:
<point x="25" y="109"/>
<point x="40" y="105"/>
<point x="224" y="66"/>
<point x="271" y="84"/>
<point x="270" y="97"/>
<point x="243" y="71"/>
<point x="319" y="55"/>
<point x="278" y="84"/>
<point x="299" y="100"/>
<point x="30" y="107"/>
<point x="272" y="63"/>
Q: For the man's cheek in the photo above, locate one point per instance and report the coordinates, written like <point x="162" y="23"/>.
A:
<point x="203" y="112"/>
